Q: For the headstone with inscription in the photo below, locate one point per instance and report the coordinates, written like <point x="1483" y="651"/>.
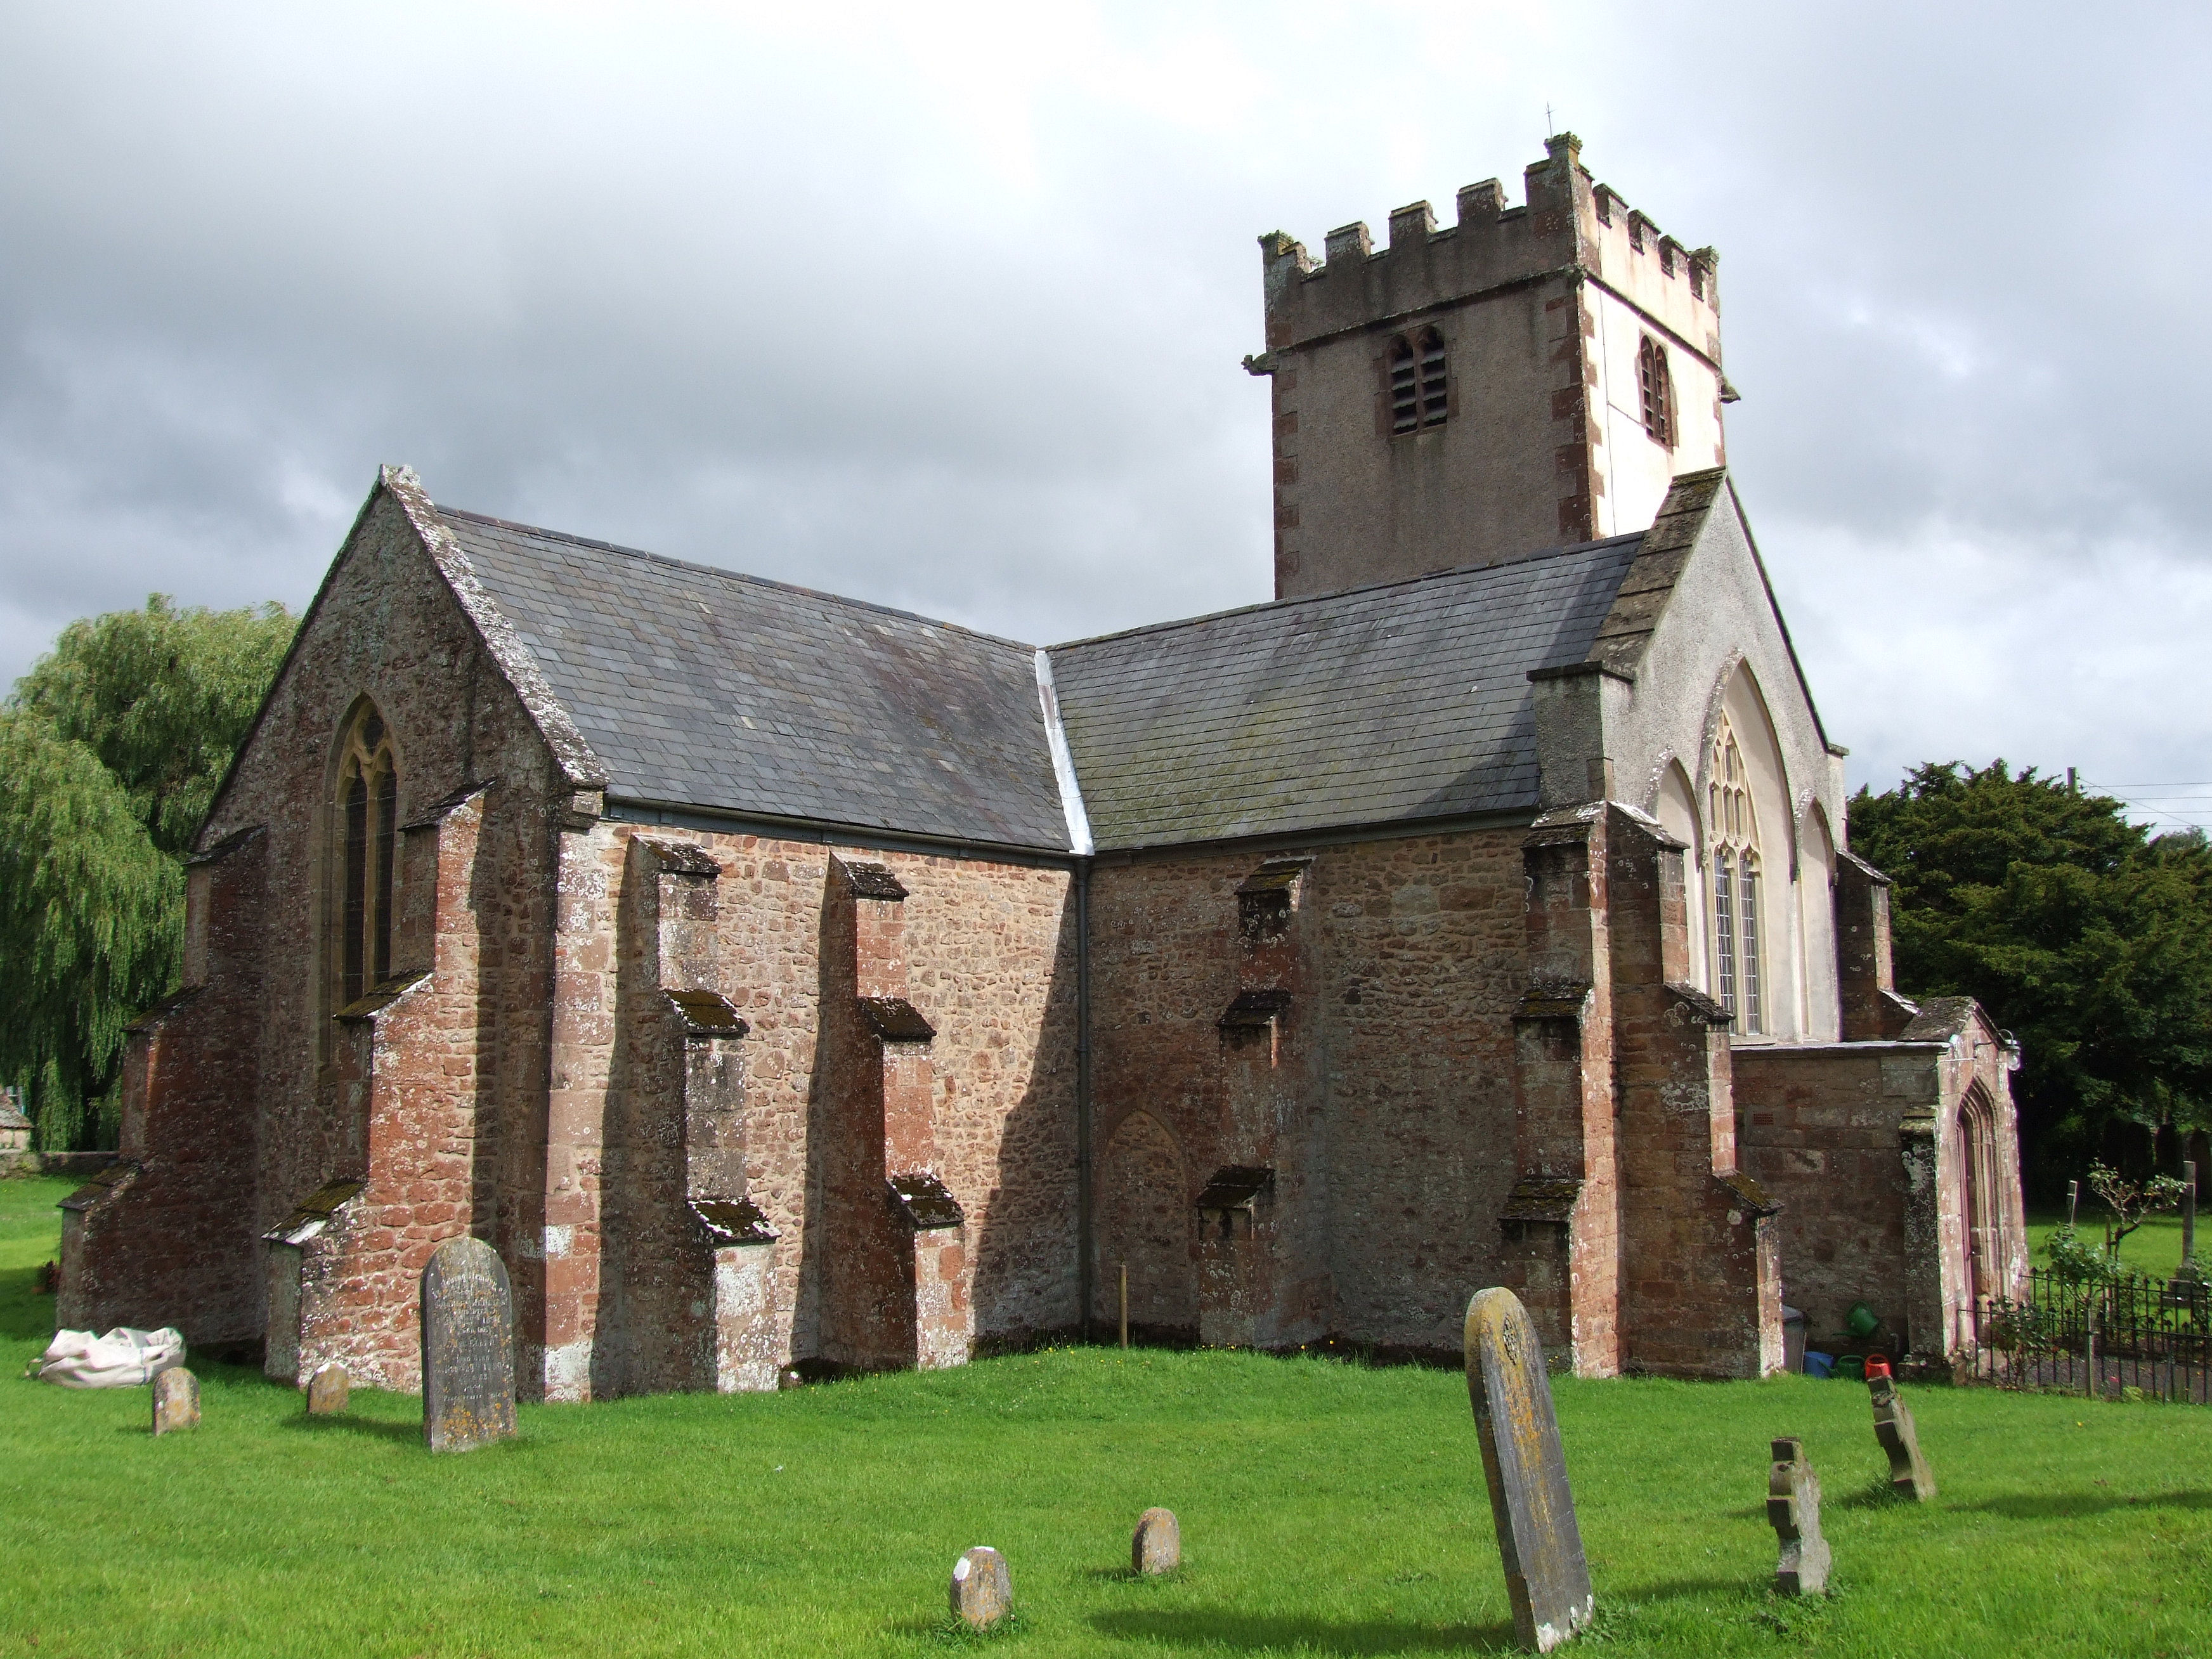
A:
<point x="1908" y="1475"/>
<point x="1156" y="1545"/>
<point x="1546" y="1573"/>
<point x="176" y="1401"/>
<point x="982" y="1589"/>
<point x="468" y="1347"/>
<point x="1793" y="1510"/>
<point x="328" y="1390"/>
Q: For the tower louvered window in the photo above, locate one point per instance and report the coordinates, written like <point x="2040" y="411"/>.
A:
<point x="1655" y="384"/>
<point x="1733" y="829"/>
<point x="1419" y="382"/>
<point x="368" y="833"/>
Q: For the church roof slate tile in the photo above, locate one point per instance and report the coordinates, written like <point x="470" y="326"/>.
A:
<point x="1396" y="703"/>
<point x="705" y="689"/>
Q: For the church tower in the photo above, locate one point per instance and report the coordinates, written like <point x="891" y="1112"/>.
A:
<point x="1527" y="377"/>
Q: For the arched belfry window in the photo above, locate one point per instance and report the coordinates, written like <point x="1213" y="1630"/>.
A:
<point x="1732" y="832"/>
<point x="367" y="835"/>
<point x="1419" y="381"/>
<point x="1655" y="383"/>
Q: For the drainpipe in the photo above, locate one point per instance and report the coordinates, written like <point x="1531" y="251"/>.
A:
<point x="1084" y="1270"/>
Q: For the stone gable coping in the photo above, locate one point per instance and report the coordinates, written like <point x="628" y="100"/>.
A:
<point x="581" y="768"/>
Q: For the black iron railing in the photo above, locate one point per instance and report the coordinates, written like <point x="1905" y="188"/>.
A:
<point x="2093" y="1335"/>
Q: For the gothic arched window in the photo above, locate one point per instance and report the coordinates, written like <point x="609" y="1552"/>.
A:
<point x="1419" y="381"/>
<point x="367" y="836"/>
<point x="1656" y="383"/>
<point x="1732" y="832"/>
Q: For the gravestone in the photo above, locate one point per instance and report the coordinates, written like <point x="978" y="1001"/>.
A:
<point x="1156" y="1545"/>
<point x="982" y="1589"/>
<point x="328" y="1390"/>
<point x="1546" y="1573"/>
<point x="176" y="1400"/>
<point x="468" y="1347"/>
<point x="1893" y="1428"/>
<point x="1793" y="1510"/>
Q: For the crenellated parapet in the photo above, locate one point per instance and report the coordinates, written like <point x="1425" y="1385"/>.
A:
<point x="1568" y="221"/>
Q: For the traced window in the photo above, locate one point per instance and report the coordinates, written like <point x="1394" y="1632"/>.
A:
<point x="1419" y="382"/>
<point x="1733" y="829"/>
<point x="368" y="833"/>
<point x="1655" y="382"/>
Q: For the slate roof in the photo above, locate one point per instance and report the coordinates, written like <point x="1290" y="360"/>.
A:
<point x="1378" y="705"/>
<point x="701" y="687"/>
<point x="1388" y="704"/>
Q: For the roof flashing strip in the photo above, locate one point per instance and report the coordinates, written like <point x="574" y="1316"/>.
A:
<point x="1063" y="763"/>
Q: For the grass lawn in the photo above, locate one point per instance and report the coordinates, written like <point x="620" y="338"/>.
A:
<point x="2153" y="1248"/>
<point x="1325" y="1510"/>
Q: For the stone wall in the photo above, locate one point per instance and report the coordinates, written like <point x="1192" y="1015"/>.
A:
<point x="298" y="1097"/>
<point x="1872" y="1148"/>
<point x="1545" y="442"/>
<point x="1380" y="1095"/>
<point x="989" y="957"/>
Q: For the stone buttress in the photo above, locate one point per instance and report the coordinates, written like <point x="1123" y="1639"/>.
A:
<point x="889" y="1242"/>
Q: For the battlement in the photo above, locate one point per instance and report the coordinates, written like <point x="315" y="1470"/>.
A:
<point x="1569" y="224"/>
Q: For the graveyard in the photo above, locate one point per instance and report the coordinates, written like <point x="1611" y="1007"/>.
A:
<point x="1325" y="1507"/>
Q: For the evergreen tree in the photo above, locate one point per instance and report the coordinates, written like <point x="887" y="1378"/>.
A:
<point x="2080" y="931"/>
<point x="111" y="750"/>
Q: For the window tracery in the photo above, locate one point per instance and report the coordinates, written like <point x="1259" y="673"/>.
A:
<point x="1732" y="829"/>
<point x="368" y="833"/>
<point x="1655" y="382"/>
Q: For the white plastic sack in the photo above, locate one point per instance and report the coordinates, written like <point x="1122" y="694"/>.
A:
<point x="124" y="1358"/>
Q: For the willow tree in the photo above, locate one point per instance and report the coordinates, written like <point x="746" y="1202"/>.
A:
<point x="111" y="750"/>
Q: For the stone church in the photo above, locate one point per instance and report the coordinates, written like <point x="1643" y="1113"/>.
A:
<point x="784" y="985"/>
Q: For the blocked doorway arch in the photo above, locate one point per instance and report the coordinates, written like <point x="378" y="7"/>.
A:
<point x="1144" y="1220"/>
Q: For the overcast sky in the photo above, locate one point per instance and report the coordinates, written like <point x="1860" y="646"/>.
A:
<point x="943" y="308"/>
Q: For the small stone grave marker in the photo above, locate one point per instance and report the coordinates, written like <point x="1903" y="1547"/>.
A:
<point x="1547" y="1574"/>
<point x="176" y="1401"/>
<point x="1156" y="1545"/>
<point x="982" y="1589"/>
<point x="1793" y="1510"/>
<point x="1908" y="1475"/>
<point x="468" y="1347"/>
<point x="328" y="1390"/>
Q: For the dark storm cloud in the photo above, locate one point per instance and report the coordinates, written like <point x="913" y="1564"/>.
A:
<point x="945" y="312"/>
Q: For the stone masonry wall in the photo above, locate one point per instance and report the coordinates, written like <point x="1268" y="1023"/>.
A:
<point x="1389" y="1124"/>
<point x="161" y="1245"/>
<point x="1817" y="1128"/>
<point x="989" y="953"/>
<point x="386" y="627"/>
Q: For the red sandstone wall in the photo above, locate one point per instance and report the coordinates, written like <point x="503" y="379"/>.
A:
<point x="990" y="964"/>
<point x="170" y="1246"/>
<point x="1387" y="1113"/>
<point x="1816" y="1130"/>
<point x="387" y="628"/>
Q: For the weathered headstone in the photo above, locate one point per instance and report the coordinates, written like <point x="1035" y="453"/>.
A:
<point x="468" y="1347"/>
<point x="176" y="1400"/>
<point x="982" y="1589"/>
<point x="1546" y="1573"/>
<point x="1893" y="1428"/>
<point x="1156" y="1545"/>
<point x="1793" y="1510"/>
<point x="328" y="1390"/>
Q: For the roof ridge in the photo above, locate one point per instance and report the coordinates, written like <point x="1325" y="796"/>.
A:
<point x="728" y="574"/>
<point x="1539" y="553"/>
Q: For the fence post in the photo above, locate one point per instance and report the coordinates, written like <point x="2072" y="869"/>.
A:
<point x="2089" y="1346"/>
<point x="2073" y="1202"/>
